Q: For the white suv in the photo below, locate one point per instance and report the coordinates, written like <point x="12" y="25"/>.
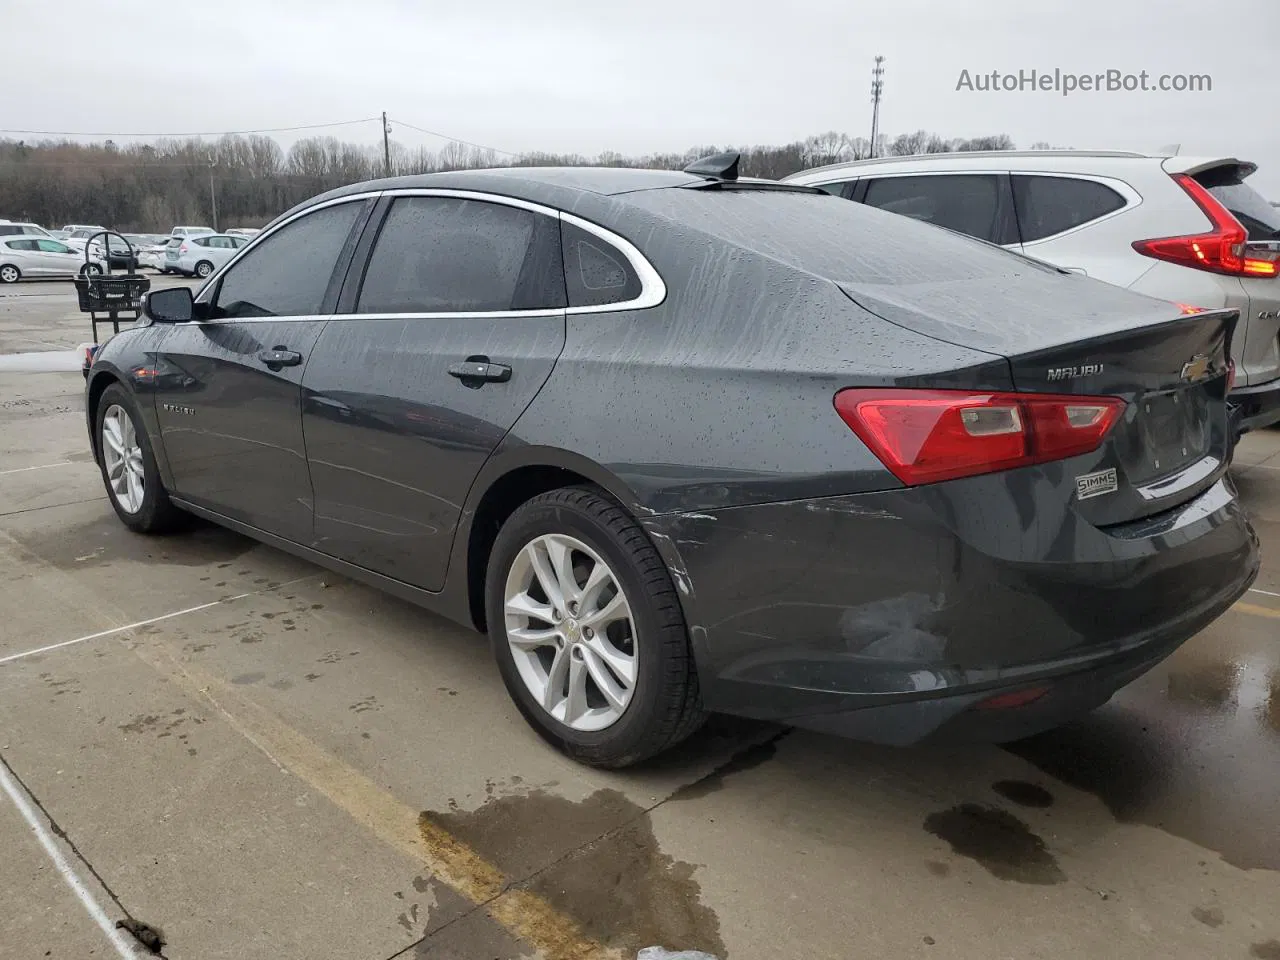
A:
<point x="1185" y="229"/>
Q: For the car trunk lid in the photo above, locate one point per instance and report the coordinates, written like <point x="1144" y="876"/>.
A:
<point x="1073" y="336"/>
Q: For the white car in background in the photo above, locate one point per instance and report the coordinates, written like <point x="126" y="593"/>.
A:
<point x="79" y="236"/>
<point x="190" y="231"/>
<point x="1185" y="229"/>
<point x="44" y="258"/>
<point x="13" y="228"/>
<point x="202" y="254"/>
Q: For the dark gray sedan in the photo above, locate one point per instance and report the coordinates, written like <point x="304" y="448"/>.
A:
<point x="682" y="443"/>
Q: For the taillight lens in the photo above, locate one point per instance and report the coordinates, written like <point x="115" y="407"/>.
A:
<point x="1220" y="251"/>
<point x="1231" y="375"/>
<point x="924" y="436"/>
<point x="183" y="248"/>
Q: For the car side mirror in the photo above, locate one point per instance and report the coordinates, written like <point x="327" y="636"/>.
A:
<point x="171" y="305"/>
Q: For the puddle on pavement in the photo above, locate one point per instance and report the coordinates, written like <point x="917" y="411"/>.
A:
<point x="606" y="870"/>
<point x="105" y="539"/>
<point x="998" y="840"/>
<point x="1208" y="685"/>
<point x="1267" y="950"/>
<point x="1209" y="916"/>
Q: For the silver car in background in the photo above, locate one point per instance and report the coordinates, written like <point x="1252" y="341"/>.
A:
<point x="41" y="258"/>
<point x="200" y="255"/>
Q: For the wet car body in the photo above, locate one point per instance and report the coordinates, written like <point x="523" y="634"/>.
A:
<point x="818" y="587"/>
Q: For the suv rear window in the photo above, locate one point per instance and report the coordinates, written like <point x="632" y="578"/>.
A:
<point x="1051" y="205"/>
<point x="1255" y="214"/>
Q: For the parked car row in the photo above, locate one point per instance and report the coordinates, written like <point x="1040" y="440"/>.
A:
<point x="681" y="442"/>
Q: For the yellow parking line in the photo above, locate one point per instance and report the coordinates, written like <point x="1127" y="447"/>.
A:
<point x="1253" y="610"/>
<point x="523" y="914"/>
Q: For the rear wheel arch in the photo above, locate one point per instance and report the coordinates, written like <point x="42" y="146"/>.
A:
<point x="97" y="386"/>
<point x="509" y="483"/>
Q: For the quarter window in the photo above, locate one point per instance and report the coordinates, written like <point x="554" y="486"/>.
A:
<point x="966" y="203"/>
<point x="595" y="272"/>
<point x="289" y="272"/>
<point x="452" y="255"/>
<point x="1052" y="205"/>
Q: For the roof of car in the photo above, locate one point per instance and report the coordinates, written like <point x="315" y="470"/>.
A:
<point x="603" y="181"/>
<point x="1064" y="160"/>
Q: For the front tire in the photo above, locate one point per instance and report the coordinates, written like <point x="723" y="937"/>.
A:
<point x="10" y="274"/>
<point x="588" y="630"/>
<point x="91" y="270"/>
<point x="128" y="466"/>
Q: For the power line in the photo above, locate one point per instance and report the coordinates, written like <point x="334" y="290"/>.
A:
<point x="445" y="136"/>
<point x="206" y="133"/>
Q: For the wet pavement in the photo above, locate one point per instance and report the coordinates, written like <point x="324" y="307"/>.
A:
<point x="257" y="759"/>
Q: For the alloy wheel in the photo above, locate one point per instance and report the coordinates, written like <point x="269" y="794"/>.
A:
<point x="8" y="274"/>
<point x="571" y="632"/>
<point x="123" y="457"/>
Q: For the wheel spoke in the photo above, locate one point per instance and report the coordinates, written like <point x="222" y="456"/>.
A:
<point x="133" y="492"/>
<point x="604" y="680"/>
<point x="622" y="664"/>
<point x="547" y="579"/>
<point x="553" y="693"/>
<point x="530" y="638"/>
<point x="561" y="557"/>
<point x="615" y="609"/>
<point x="524" y="605"/>
<point x="111" y="434"/>
<point x="575" y="704"/>
<point x="599" y="578"/>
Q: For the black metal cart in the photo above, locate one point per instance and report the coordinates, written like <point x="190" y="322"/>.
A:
<point x="107" y="298"/>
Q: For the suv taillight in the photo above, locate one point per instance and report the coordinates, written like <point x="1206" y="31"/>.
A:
<point x="1220" y="251"/>
<point x="183" y="248"/>
<point x="924" y="436"/>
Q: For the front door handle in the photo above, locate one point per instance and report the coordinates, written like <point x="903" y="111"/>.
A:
<point x="479" y="370"/>
<point x="278" y="357"/>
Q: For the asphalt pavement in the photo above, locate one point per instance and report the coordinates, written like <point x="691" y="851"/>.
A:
<point x="232" y="753"/>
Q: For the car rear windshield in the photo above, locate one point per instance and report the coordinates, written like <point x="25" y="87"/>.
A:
<point x="1246" y="204"/>
<point x="835" y="238"/>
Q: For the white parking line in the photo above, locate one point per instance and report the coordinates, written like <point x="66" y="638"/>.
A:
<point x="1265" y="593"/>
<point x="107" y="633"/>
<point x="142" y="623"/>
<point x="19" y="797"/>
<point x="43" y="466"/>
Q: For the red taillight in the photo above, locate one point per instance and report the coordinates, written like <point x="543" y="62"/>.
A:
<point x="183" y="248"/>
<point x="924" y="436"/>
<point x="1010" y="701"/>
<point x="1220" y="251"/>
<point x="1231" y="375"/>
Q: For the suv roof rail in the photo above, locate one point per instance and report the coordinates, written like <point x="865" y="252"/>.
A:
<point x="952" y="154"/>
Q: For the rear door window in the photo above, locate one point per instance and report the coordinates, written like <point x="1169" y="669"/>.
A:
<point x="967" y="203"/>
<point x="1051" y="205"/>
<point x="289" y="273"/>
<point x="454" y="255"/>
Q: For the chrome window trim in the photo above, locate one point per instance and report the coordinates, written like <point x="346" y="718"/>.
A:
<point x="653" y="290"/>
<point x="217" y="274"/>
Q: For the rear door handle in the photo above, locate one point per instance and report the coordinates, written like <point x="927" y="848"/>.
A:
<point x="480" y="370"/>
<point x="278" y="357"/>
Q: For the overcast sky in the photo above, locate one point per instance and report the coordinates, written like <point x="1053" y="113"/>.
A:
<point x="591" y="75"/>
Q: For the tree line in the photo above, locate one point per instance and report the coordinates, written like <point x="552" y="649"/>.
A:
<point x="149" y="187"/>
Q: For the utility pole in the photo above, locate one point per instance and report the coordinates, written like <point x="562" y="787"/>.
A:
<point x="877" y="88"/>
<point x="213" y="193"/>
<point x="386" y="143"/>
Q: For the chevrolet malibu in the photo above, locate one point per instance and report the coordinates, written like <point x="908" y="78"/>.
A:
<point x="683" y="443"/>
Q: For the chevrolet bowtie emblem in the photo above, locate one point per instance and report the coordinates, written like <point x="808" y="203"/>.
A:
<point x="1195" y="368"/>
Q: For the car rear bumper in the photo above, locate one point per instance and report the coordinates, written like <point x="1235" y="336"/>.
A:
<point x="1255" y="407"/>
<point x="893" y="616"/>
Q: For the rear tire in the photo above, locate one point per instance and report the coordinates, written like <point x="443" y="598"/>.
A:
<point x="128" y="466"/>
<point x="10" y="274"/>
<point x="203" y="269"/>
<point x="643" y="657"/>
